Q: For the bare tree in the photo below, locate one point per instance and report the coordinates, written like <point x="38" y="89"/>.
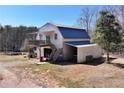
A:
<point x="120" y="14"/>
<point x="87" y="18"/>
<point x="118" y="11"/>
<point x="13" y="38"/>
<point x="111" y="8"/>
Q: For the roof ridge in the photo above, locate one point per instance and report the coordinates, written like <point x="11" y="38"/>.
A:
<point x="67" y="26"/>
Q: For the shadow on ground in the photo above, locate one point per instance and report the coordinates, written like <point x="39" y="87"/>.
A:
<point x="112" y="58"/>
<point x="64" y="63"/>
<point x="118" y="65"/>
<point x="94" y="62"/>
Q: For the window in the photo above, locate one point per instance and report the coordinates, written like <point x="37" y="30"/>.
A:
<point x="40" y="36"/>
<point x="47" y="39"/>
<point x="55" y="36"/>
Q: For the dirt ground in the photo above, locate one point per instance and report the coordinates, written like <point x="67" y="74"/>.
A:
<point x="27" y="74"/>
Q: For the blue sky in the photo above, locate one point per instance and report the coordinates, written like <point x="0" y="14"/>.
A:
<point x="39" y="15"/>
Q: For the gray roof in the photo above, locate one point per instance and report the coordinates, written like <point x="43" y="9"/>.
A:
<point x="74" y="33"/>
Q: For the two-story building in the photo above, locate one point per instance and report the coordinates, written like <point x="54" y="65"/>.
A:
<point x="65" y="42"/>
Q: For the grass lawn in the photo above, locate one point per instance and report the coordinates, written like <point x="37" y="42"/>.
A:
<point x="8" y="58"/>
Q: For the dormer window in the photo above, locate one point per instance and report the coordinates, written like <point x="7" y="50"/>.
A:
<point x="56" y="36"/>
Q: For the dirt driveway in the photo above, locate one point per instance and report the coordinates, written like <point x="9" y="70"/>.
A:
<point x="27" y="74"/>
<point x="10" y="79"/>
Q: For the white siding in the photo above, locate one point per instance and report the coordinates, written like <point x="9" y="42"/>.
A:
<point x="51" y="30"/>
<point x="95" y="51"/>
<point x="40" y="52"/>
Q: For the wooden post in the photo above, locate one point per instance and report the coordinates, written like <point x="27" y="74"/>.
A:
<point x="29" y="53"/>
<point x="40" y="54"/>
<point x="107" y="58"/>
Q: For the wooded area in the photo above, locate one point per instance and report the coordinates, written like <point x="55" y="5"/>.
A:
<point x="12" y="39"/>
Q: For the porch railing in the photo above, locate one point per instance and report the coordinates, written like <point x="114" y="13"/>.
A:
<point x="39" y="42"/>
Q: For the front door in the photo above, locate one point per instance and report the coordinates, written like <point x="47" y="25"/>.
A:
<point x="47" y="39"/>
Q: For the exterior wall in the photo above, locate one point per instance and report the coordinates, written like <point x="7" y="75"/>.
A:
<point x="95" y="51"/>
<point x="40" y="51"/>
<point x="50" y="29"/>
<point x="57" y="42"/>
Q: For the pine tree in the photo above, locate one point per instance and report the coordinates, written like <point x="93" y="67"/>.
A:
<point x="107" y="32"/>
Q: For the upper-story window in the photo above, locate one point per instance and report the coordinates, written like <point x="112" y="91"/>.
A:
<point x="47" y="39"/>
<point x="40" y="36"/>
<point x="56" y="36"/>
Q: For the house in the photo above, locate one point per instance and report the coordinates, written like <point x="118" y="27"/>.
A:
<point x="59" y="42"/>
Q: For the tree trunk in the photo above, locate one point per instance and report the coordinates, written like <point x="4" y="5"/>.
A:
<point x="107" y="58"/>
